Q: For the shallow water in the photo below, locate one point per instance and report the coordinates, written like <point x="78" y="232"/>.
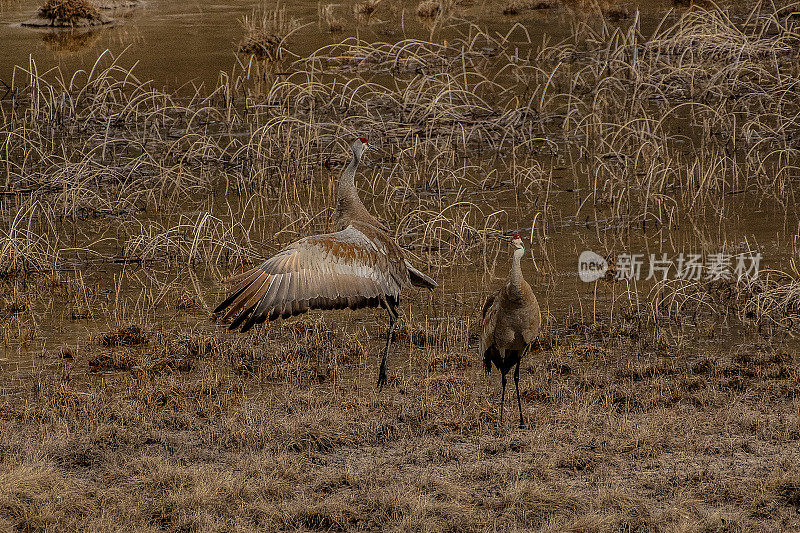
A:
<point x="175" y="43"/>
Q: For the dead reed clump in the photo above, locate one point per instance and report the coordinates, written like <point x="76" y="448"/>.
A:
<point x="204" y="239"/>
<point x="69" y="12"/>
<point x="429" y="8"/>
<point x="13" y="306"/>
<point x="179" y="349"/>
<point x="80" y="313"/>
<point x="247" y="357"/>
<point x="533" y="503"/>
<point x="366" y="8"/>
<point x="184" y="300"/>
<point x="25" y="251"/>
<point x="515" y="7"/>
<point x="55" y="281"/>
<point x="130" y="335"/>
<point x="334" y="23"/>
<point x="266" y="31"/>
<point x="37" y="494"/>
<point x="771" y="300"/>
<point x="67" y="352"/>
<point x="314" y="352"/>
<point x="113" y="361"/>
<point x="7" y="411"/>
<point x="582" y="351"/>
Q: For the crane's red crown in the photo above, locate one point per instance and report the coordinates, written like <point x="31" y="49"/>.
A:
<point x="516" y="236"/>
<point x="363" y="140"/>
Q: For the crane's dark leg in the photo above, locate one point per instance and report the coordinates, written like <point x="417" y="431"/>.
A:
<point x="519" y="402"/>
<point x="393" y="315"/>
<point x="502" y="396"/>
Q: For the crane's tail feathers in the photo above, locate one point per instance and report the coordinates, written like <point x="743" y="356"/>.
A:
<point x="418" y="279"/>
<point x="487" y="360"/>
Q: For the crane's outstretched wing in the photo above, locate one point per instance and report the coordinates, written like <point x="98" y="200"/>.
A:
<point x="331" y="271"/>
<point x="491" y="307"/>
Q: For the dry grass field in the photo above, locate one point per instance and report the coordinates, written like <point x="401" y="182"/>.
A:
<point x="217" y="433"/>
<point x="650" y="406"/>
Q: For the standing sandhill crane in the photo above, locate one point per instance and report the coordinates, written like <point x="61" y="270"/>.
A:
<point x="358" y="266"/>
<point x="511" y="322"/>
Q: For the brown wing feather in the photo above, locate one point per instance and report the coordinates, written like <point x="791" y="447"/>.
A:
<point x="359" y="266"/>
<point x="239" y="283"/>
<point x="246" y="294"/>
<point x="491" y="308"/>
<point x="487" y="304"/>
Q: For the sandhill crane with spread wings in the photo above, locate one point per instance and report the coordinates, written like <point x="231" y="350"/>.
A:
<point x="511" y="322"/>
<point x="358" y="266"/>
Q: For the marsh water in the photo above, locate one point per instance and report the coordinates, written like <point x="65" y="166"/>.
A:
<point x="177" y="43"/>
<point x="185" y="45"/>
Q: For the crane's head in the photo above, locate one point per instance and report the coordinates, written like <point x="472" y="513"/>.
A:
<point x="516" y="241"/>
<point x="359" y="147"/>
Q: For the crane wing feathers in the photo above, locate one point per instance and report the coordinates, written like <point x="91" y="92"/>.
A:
<point x="491" y="309"/>
<point x="487" y="304"/>
<point x="331" y="271"/>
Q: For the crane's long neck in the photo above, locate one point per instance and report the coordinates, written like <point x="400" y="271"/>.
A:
<point x="348" y="204"/>
<point x="349" y="207"/>
<point x="515" y="278"/>
<point x="347" y="183"/>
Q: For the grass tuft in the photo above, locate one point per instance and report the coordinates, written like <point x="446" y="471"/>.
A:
<point x="266" y="31"/>
<point x="69" y="12"/>
<point x="130" y="335"/>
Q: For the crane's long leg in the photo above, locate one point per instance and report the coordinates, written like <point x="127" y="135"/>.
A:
<point x="502" y="397"/>
<point x="519" y="402"/>
<point x="392" y="326"/>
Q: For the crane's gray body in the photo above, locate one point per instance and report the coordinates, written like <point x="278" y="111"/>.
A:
<point x="511" y="322"/>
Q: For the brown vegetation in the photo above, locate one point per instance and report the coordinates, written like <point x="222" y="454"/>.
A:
<point x="366" y="8"/>
<point x="334" y="23"/>
<point x="266" y="31"/>
<point x="614" y="10"/>
<point x="515" y="7"/>
<point x="183" y="445"/>
<point x="69" y="11"/>
<point x="67" y="14"/>
<point x="428" y="8"/>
